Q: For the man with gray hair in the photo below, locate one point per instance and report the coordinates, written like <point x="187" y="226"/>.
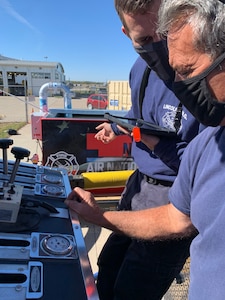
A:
<point x="208" y="38"/>
<point x="197" y="195"/>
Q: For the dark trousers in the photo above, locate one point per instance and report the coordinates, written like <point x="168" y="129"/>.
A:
<point x="131" y="269"/>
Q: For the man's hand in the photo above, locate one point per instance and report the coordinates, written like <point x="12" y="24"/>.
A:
<point x="105" y="134"/>
<point x="84" y="204"/>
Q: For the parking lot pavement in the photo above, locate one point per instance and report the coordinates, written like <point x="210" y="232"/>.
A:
<point x="24" y="139"/>
<point x="19" y="109"/>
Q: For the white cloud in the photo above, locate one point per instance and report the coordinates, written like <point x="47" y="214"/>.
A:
<point x="6" y="5"/>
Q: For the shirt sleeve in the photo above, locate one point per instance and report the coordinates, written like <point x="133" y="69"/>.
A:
<point x="180" y="192"/>
<point x="170" y="151"/>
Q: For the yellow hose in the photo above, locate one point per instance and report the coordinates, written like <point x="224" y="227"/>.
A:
<point x="96" y="180"/>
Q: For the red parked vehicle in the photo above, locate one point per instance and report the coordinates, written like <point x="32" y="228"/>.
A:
<point x="97" y="101"/>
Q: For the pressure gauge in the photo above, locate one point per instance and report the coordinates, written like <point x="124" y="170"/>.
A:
<point x="53" y="190"/>
<point x="52" y="179"/>
<point x="57" y="244"/>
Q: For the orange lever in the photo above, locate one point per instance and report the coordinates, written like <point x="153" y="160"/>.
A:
<point x="136" y="134"/>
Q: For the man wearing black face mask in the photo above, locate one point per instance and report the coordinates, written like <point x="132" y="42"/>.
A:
<point x="191" y="89"/>
<point x="156" y="56"/>
<point x="195" y="94"/>
<point x="155" y="265"/>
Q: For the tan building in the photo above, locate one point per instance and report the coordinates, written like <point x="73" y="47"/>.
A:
<point x="119" y="95"/>
<point x="16" y="75"/>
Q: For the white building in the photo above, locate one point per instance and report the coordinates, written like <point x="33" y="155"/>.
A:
<point x="16" y="76"/>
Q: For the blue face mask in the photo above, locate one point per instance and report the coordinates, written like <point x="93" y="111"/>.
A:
<point x="156" y="56"/>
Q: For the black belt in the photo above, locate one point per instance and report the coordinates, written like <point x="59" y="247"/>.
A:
<point x="157" y="181"/>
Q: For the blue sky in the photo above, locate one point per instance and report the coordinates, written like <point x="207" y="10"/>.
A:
<point x="85" y="36"/>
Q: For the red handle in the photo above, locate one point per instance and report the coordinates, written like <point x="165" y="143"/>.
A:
<point x="136" y="134"/>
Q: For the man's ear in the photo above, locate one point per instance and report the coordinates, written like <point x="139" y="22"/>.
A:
<point x="124" y="31"/>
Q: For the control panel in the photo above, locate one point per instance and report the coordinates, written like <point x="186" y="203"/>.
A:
<point x="10" y="199"/>
<point x="21" y="281"/>
<point x="51" y="182"/>
<point x="41" y="242"/>
<point x="38" y="245"/>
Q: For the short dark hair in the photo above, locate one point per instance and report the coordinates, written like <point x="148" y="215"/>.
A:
<point x="132" y="7"/>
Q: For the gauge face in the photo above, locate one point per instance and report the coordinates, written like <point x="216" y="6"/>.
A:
<point x="57" y="245"/>
<point x="53" y="190"/>
<point x="52" y="179"/>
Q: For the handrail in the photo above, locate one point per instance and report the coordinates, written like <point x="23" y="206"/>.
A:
<point x="43" y="95"/>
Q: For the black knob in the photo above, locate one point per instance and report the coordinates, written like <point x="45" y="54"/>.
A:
<point x="4" y="144"/>
<point x="19" y="152"/>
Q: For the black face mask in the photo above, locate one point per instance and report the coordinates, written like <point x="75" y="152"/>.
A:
<point x="156" y="56"/>
<point x="196" y="96"/>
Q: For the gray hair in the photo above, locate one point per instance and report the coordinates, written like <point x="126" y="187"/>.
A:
<point x="132" y="7"/>
<point x="206" y="17"/>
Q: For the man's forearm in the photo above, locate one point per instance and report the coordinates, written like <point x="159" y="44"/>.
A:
<point x="155" y="223"/>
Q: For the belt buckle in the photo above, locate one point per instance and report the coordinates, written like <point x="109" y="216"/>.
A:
<point x="152" y="181"/>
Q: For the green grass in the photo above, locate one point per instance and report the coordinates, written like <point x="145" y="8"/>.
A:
<point x="4" y="127"/>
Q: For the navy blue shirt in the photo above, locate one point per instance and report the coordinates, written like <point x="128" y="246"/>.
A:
<point x="159" y="107"/>
<point x="198" y="191"/>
